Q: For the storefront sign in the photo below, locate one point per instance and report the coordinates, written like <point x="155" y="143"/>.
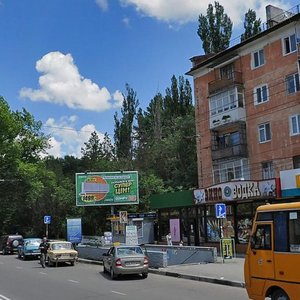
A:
<point x="290" y="182"/>
<point x="236" y="190"/>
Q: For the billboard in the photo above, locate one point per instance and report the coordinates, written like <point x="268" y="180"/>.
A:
<point x="107" y="188"/>
<point x="74" y="232"/>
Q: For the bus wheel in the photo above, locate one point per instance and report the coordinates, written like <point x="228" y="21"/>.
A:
<point x="279" y="295"/>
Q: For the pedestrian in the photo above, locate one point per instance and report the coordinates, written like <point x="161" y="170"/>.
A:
<point x="169" y="239"/>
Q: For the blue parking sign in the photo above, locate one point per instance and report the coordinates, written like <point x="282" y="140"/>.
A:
<point x="47" y="219"/>
<point x="220" y="211"/>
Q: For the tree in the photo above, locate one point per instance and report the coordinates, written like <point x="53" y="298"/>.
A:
<point x="214" y="29"/>
<point x="251" y="25"/>
<point x="124" y="126"/>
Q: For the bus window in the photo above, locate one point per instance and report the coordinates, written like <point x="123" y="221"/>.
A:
<point x="281" y="231"/>
<point x="262" y="237"/>
<point x="294" y="232"/>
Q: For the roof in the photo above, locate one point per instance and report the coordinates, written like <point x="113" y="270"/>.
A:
<point x="232" y="51"/>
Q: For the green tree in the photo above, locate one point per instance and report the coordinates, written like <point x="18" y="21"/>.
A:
<point x="251" y="24"/>
<point x="214" y="29"/>
<point x="124" y="127"/>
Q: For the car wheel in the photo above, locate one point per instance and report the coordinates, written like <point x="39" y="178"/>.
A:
<point x="145" y="275"/>
<point x="112" y="274"/>
<point x="4" y="252"/>
<point x="24" y="256"/>
<point x="280" y="295"/>
<point x="104" y="269"/>
<point x="50" y="263"/>
<point x="72" y="263"/>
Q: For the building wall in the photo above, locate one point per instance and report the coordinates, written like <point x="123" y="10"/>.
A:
<point x="282" y="146"/>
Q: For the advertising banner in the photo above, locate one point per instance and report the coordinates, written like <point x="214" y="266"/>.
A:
<point x="107" y="188"/>
<point x="74" y="233"/>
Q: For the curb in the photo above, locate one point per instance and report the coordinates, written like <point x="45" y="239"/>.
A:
<point x="199" y="278"/>
<point x="178" y="275"/>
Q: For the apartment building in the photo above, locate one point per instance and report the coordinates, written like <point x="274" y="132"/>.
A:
<point x="248" y="126"/>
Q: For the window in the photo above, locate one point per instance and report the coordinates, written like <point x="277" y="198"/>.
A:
<point x="261" y="94"/>
<point x="258" y="58"/>
<point x="227" y="72"/>
<point x="226" y="101"/>
<point x="267" y="170"/>
<point x="289" y="44"/>
<point x="296" y="162"/>
<point x="264" y="133"/>
<point x="262" y="237"/>
<point x="295" y="124"/>
<point x="292" y="83"/>
<point x="227" y="171"/>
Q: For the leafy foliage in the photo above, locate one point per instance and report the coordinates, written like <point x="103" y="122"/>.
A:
<point x="251" y="24"/>
<point x="214" y="29"/>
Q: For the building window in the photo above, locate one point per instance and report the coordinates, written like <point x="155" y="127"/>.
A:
<point x="261" y="94"/>
<point x="226" y="101"/>
<point x="295" y="124"/>
<point x="267" y="170"/>
<point x="292" y="83"/>
<point x="227" y="171"/>
<point x="258" y="58"/>
<point x="227" y="72"/>
<point x="289" y="44"/>
<point x="264" y="131"/>
<point x="296" y="162"/>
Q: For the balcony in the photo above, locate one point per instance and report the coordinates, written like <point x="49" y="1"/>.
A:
<point x="230" y="152"/>
<point x="224" y="81"/>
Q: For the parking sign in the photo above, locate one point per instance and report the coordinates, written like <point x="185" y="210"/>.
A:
<point x="220" y="211"/>
<point x="47" y="219"/>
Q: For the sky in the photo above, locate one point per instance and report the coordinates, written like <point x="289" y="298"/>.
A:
<point x="67" y="62"/>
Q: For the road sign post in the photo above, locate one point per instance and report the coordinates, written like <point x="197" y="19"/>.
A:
<point x="47" y="221"/>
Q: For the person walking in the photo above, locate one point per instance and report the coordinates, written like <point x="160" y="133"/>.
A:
<point x="169" y="239"/>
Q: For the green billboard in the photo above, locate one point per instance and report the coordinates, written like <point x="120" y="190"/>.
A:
<point x="107" y="188"/>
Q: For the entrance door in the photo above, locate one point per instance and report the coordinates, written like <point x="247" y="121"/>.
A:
<point x="261" y="256"/>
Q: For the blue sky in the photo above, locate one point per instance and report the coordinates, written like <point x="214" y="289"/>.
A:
<point x="67" y="61"/>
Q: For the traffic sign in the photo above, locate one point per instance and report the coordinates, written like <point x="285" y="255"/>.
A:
<point x="220" y="211"/>
<point x="47" y="219"/>
<point x="123" y="217"/>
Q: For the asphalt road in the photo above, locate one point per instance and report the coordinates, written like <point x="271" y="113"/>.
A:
<point x="27" y="280"/>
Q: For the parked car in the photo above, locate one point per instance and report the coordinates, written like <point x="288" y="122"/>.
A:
<point x="61" y="251"/>
<point x="9" y="243"/>
<point x="123" y="260"/>
<point x="29" y="248"/>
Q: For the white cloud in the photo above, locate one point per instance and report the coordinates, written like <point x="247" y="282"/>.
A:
<point x="179" y="11"/>
<point x="103" y="4"/>
<point x="126" y="21"/>
<point x="65" y="139"/>
<point x="61" y="83"/>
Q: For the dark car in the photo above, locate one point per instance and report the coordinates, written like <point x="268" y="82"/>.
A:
<point x="9" y="243"/>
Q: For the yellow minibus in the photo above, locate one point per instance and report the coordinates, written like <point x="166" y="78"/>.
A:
<point x="272" y="262"/>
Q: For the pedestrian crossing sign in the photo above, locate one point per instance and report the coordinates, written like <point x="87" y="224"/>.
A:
<point x="220" y="211"/>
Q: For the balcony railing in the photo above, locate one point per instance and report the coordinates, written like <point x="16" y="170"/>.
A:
<point x="231" y="151"/>
<point x="225" y="81"/>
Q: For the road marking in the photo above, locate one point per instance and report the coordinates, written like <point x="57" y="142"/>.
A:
<point x="74" y="281"/>
<point x="118" y="293"/>
<point x="43" y="273"/>
<point x="4" y="298"/>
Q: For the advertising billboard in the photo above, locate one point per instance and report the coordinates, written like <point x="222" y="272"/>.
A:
<point x="107" y="188"/>
<point x="74" y="231"/>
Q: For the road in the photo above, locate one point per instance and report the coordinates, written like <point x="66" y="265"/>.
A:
<point x="27" y="280"/>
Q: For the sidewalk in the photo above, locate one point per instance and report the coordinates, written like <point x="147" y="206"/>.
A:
<point x="231" y="272"/>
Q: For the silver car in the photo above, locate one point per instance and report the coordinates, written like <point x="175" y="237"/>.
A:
<point x="123" y="260"/>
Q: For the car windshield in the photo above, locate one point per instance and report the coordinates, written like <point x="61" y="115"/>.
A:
<point x="33" y="242"/>
<point x="129" y="251"/>
<point x="61" y="246"/>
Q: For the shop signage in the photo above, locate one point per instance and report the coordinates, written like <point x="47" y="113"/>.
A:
<point x="236" y="190"/>
<point x="290" y="183"/>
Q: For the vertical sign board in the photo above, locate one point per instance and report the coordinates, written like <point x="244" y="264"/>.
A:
<point x="131" y="235"/>
<point x="74" y="232"/>
<point x="123" y="217"/>
<point x="220" y="211"/>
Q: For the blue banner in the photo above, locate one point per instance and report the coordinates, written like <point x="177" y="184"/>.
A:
<point x="74" y="232"/>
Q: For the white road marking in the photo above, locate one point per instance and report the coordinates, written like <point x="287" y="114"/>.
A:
<point x="118" y="293"/>
<point x="70" y="280"/>
<point x="4" y="298"/>
<point x="43" y="273"/>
